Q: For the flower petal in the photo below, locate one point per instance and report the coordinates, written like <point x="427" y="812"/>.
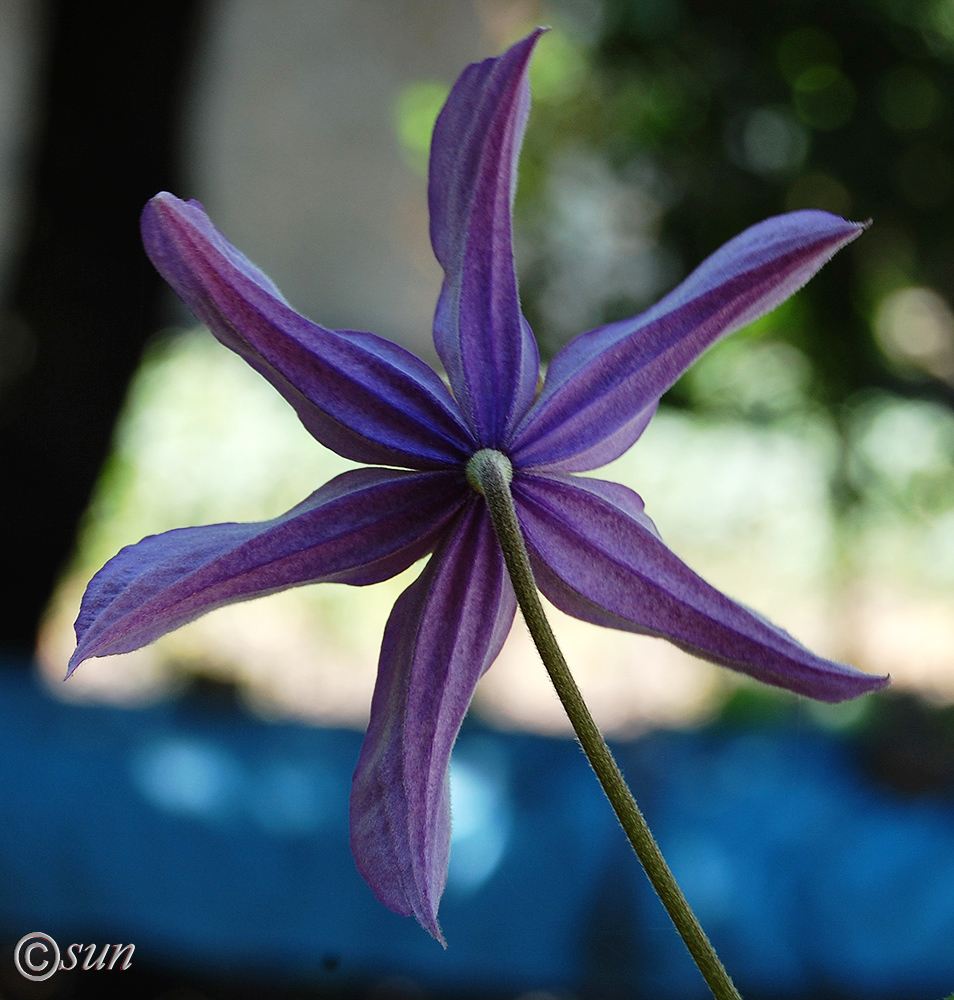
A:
<point x="362" y="527"/>
<point x="481" y="336"/>
<point x="444" y="632"/>
<point x="601" y="388"/>
<point x="597" y="557"/>
<point x="364" y="397"/>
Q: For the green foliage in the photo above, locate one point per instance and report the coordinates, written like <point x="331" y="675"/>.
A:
<point x="706" y="117"/>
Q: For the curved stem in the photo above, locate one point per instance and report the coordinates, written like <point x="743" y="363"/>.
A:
<point x="489" y="472"/>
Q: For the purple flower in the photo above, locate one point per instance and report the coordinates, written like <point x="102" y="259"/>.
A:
<point x="595" y="553"/>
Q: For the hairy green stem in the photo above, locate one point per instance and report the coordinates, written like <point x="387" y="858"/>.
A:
<point x="489" y="472"/>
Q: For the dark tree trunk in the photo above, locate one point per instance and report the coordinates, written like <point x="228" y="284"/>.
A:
<point x="83" y="299"/>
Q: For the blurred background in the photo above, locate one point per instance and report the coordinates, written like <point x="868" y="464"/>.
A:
<point x="192" y="797"/>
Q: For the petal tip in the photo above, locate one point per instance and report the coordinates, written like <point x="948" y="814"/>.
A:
<point x="79" y="657"/>
<point x="166" y="204"/>
<point x="833" y="688"/>
<point x="160" y="201"/>
<point x="76" y="659"/>
<point x="393" y="893"/>
<point x="430" y="924"/>
<point x="869" y="684"/>
<point x="528" y="40"/>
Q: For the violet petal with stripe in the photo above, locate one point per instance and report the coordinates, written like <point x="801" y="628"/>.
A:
<point x="445" y="630"/>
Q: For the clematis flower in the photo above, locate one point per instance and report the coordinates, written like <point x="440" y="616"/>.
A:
<point x="594" y="552"/>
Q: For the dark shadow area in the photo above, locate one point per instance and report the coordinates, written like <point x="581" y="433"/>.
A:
<point x="83" y="298"/>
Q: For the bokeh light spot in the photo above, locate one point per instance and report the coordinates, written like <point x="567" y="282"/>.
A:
<point x="818" y="189"/>
<point x="914" y="327"/>
<point x="415" y="112"/>
<point x="772" y="142"/>
<point x="925" y="176"/>
<point x="805" y="48"/>
<point x="482" y="817"/>
<point x="824" y="98"/>
<point x="558" y="68"/>
<point x="908" y="100"/>
<point x="190" y="777"/>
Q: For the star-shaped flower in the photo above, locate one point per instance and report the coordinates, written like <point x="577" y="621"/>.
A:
<point x="594" y="552"/>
